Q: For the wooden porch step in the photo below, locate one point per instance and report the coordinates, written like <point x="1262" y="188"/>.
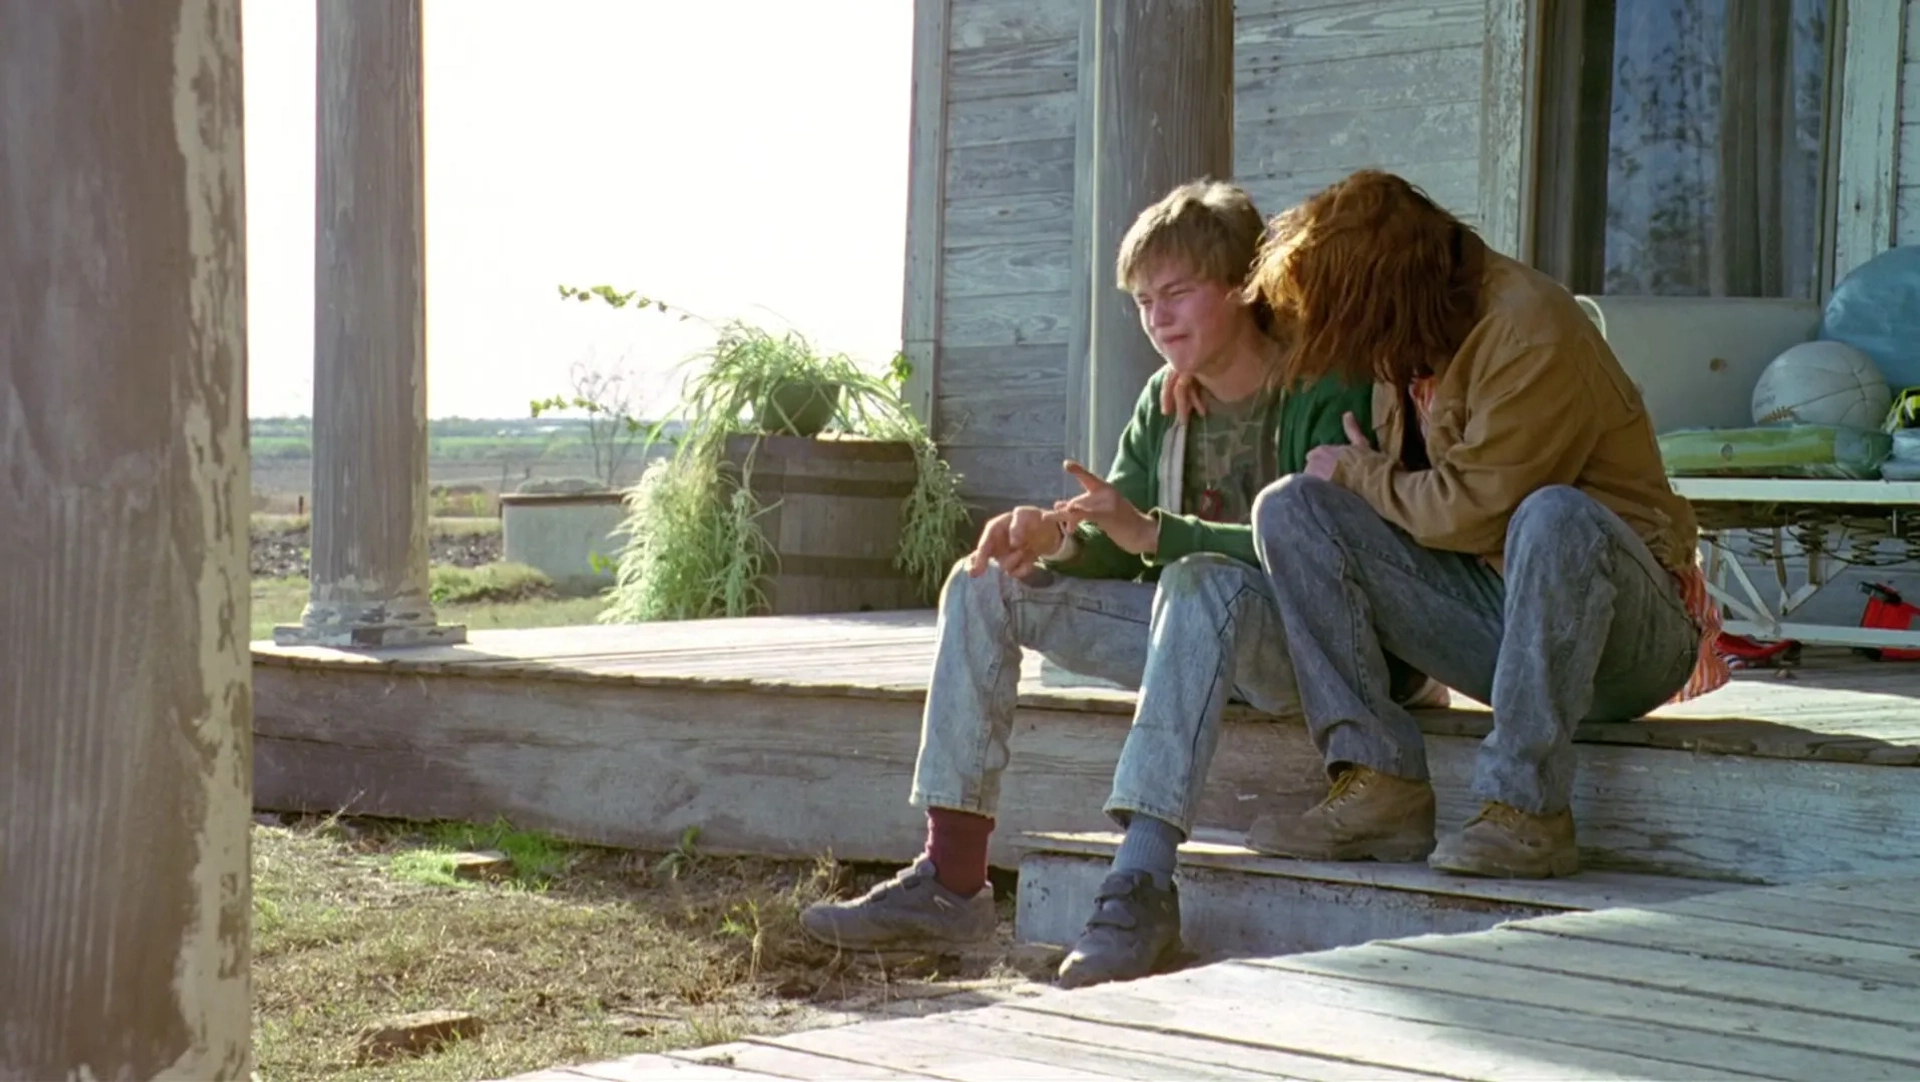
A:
<point x="1236" y="902"/>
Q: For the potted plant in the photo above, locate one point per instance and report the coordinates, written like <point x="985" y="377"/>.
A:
<point x="698" y="536"/>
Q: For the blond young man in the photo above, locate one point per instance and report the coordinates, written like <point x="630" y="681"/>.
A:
<point x="1148" y="578"/>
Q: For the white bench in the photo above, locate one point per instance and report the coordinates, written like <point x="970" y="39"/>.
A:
<point x="1752" y="614"/>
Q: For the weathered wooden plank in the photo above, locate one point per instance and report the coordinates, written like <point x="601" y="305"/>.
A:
<point x="985" y="24"/>
<point x="973" y="220"/>
<point x="754" y="772"/>
<point x="1014" y="319"/>
<point x="1652" y="1038"/>
<point x="650" y="1067"/>
<point x="1039" y="165"/>
<point x="1703" y="814"/>
<point x="1458" y="1039"/>
<point x="1812" y="994"/>
<point x="1787" y="951"/>
<point x="1265" y="1061"/>
<point x="1224" y="851"/>
<point x="994" y="270"/>
<point x="1022" y="118"/>
<point x="1029" y="474"/>
<point x="1887" y="896"/>
<point x="1028" y="67"/>
<point x="781" y="1061"/>
<point x="999" y="420"/>
<point x="939" y="1045"/>
<point x="1789" y="1042"/>
<point x="1349" y="29"/>
<point x="1869" y="153"/>
<point x="1509" y="92"/>
<point x="1788" y="912"/>
<point x="978" y="371"/>
<point x="1349" y="140"/>
<point x="926" y="198"/>
<point x="880" y="1043"/>
<point x="1232" y="914"/>
<point x="1270" y="91"/>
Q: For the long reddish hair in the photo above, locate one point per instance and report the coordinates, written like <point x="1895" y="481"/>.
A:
<point x="1371" y="280"/>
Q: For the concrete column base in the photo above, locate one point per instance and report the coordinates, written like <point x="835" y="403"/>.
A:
<point x="369" y="626"/>
<point x="370" y="636"/>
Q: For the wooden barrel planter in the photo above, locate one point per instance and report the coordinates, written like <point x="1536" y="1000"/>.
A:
<point x="833" y="520"/>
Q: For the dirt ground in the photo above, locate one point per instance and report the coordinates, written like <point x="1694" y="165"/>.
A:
<point x="573" y="955"/>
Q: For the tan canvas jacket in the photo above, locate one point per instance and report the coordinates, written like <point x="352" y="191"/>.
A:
<point x="1534" y="397"/>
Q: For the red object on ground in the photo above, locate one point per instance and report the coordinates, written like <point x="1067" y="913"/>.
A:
<point x="1887" y="609"/>
<point x="1741" y="652"/>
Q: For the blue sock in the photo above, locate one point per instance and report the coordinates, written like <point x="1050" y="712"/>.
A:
<point x="1151" y="845"/>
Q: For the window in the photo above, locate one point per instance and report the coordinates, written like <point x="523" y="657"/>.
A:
<point x="1683" y="146"/>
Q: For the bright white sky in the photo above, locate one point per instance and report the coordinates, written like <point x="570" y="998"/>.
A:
<point x="738" y="157"/>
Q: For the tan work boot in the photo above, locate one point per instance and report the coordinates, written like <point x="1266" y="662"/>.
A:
<point x="1367" y="815"/>
<point x="1503" y="842"/>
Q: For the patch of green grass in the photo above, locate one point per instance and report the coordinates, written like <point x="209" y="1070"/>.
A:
<point x="280" y="601"/>
<point x="489" y="583"/>
<point x="536" y="857"/>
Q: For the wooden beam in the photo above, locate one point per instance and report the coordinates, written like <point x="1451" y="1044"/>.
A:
<point x="124" y="716"/>
<point x="1510" y="108"/>
<point x="1867" y="180"/>
<point x="1156" y="111"/>
<point x="370" y="336"/>
<point x="926" y="205"/>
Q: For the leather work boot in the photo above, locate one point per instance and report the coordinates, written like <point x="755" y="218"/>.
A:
<point x="1503" y="842"/>
<point x="1134" y="932"/>
<point x="1367" y="815"/>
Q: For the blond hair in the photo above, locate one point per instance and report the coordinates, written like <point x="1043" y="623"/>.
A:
<point x="1210" y="225"/>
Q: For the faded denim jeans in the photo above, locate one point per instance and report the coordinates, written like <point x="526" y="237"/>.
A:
<point x="1208" y="631"/>
<point x="1586" y="625"/>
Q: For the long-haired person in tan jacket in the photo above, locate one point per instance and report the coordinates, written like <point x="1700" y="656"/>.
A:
<point x="1512" y="533"/>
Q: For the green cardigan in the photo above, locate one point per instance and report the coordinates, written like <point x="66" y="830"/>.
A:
<point x="1147" y="471"/>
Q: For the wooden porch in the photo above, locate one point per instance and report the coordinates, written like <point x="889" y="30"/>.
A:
<point x="797" y="736"/>
<point x="1818" y="981"/>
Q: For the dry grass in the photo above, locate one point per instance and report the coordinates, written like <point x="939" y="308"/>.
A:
<point x="586" y="954"/>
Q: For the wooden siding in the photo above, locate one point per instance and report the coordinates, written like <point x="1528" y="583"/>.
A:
<point x="1007" y="249"/>
<point x="1322" y="89"/>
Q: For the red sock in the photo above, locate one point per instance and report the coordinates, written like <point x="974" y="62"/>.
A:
<point x="957" y="845"/>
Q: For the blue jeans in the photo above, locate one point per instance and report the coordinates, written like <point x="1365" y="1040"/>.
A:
<point x="1585" y="625"/>
<point x="1207" y="631"/>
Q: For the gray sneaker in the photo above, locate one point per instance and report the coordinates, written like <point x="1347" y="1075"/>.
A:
<point x="910" y="912"/>
<point x="1134" y="932"/>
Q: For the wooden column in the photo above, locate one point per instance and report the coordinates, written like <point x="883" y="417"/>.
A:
<point x="125" y="712"/>
<point x="369" y="567"/>
<point x="1156" y="110"/>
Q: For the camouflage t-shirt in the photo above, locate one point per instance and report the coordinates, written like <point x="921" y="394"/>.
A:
<point x="1230" y="458"/>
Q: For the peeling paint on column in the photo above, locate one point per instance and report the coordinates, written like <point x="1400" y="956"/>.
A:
<point x="212" y="977"/>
